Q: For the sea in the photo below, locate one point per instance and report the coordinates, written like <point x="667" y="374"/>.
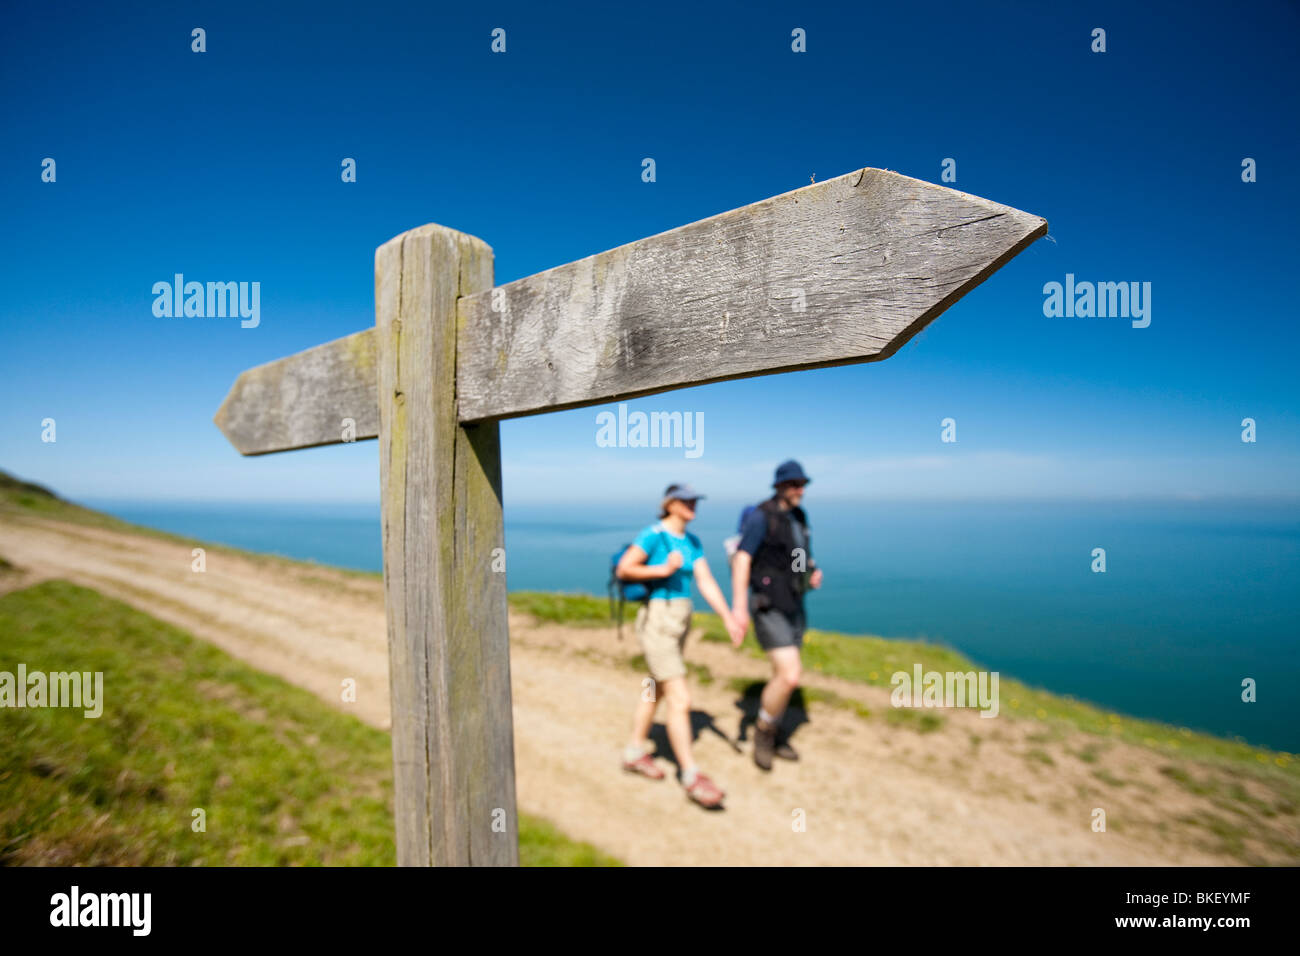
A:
<point x="1197" y="596"/>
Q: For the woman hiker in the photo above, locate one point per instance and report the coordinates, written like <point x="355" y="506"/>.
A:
<point x="665" y="557"/>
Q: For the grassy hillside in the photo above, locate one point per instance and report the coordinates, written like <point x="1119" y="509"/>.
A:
<point x="1255" y="792"/>
<point x="25" y="499"/>
<point x="282" y="778"/>
<point x="24" y="496"/>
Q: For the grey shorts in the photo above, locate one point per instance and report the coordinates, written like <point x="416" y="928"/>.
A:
<point x="774" y="628"/>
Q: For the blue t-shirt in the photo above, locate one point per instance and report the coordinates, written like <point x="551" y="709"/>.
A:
<point x="752" y="532"/>
<point x="656" y="541"/>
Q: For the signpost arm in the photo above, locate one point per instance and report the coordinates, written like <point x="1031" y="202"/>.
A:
<point x="444" y="580"/>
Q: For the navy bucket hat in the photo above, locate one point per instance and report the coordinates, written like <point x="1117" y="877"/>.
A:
<point x="790" y="471"/>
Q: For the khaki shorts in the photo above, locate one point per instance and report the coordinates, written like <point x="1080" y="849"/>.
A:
<point x="661" y="626"/>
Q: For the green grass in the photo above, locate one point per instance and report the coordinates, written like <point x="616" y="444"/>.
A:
<point x="1108" y="778"/>
<point x="582" y="610"/>
<point x="1088" y="754"/>
<point x="35" y="500"/>
<point x="283" y="778"/>
<point x="914" y="718"/>
<point x="1039" y="756"/>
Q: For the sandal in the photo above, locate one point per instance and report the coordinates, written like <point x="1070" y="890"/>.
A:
<point x="705" y="792"/>
<point x="645" y="766"/>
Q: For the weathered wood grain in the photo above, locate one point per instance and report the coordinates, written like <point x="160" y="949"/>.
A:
<point x="302" y="401"/>
<point x="449" y="662"/>
<point x="876" y="255"/>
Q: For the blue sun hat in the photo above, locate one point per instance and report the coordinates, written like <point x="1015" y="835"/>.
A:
<point x="790" y="471"/>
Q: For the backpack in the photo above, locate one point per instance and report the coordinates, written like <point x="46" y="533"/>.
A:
<point x="732" y="544"/>
<point x="625" y="591"/>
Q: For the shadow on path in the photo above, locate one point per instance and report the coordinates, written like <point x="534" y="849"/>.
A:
<point x="795" y="716"/>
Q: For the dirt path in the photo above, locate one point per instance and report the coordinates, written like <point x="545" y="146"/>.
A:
<point x="870" y="792"/>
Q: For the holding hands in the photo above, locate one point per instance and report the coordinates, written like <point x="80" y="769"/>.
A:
<point x="737" y="624"/>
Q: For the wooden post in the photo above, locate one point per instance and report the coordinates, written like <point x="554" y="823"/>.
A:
<point x="845" y="270"/>
<point x="449" y="655"/>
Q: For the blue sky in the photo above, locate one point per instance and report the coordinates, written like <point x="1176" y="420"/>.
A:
<point x="225" y="166"/>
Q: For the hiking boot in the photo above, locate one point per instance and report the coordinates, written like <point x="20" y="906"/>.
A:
<point x="785" y="751"/>
<point x="705" y="792"/>
<point x="764" y="745"/>
<point x="645" y="766"/>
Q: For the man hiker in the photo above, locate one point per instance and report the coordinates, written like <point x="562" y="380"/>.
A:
<point x="771" y="571"/>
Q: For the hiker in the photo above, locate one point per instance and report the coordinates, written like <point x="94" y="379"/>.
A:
<point x="771" y="570"/>
<point x="666" y="557"/>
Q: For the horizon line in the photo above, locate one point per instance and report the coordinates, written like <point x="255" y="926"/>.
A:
<point x="729" y="499"/>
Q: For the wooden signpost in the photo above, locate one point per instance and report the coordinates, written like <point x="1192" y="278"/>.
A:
<point x="843" y="271"/>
